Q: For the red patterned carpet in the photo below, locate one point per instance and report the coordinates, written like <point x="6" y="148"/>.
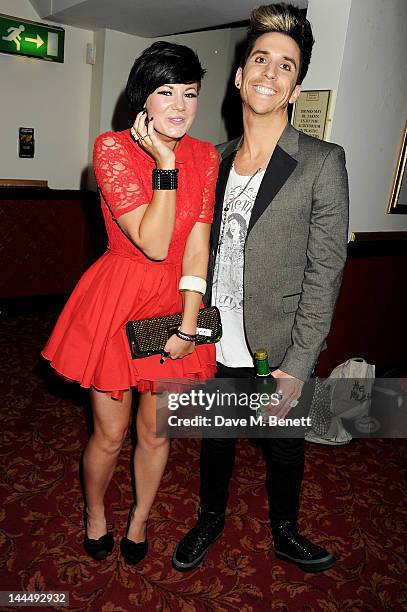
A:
<point x="353" y="502"/>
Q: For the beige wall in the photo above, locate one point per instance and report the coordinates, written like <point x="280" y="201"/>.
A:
<point x="359" y="51"/>
<point x="329" y="20"/>
<point x="52" y="98"/>
<point x="371" y="108"/>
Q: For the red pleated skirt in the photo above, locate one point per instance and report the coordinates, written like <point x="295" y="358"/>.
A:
<point x="89" y="344"/>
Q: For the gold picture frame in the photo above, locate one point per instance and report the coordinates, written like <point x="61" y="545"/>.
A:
<point x="398" y="195"/>
<point x="378" y="237"/>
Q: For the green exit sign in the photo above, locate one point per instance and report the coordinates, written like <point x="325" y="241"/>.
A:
<point x="22" y="37"/>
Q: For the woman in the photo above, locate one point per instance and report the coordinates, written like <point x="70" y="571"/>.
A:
<point x="158" y="232"/>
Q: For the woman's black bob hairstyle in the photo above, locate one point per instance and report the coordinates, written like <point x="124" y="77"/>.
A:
<point x="163" y="62"/>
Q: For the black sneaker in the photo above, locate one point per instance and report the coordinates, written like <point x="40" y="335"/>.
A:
<point x="290" y="546"/>
<point x="196" y="543"/>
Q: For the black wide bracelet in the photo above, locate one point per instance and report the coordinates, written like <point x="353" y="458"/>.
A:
<point x="165" y="179"/>
<point x="184" y="336"/>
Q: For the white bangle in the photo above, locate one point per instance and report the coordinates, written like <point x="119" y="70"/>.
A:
<point x="192" y="283"/>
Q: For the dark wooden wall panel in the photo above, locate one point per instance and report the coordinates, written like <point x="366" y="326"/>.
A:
<point x="370" y="320"/>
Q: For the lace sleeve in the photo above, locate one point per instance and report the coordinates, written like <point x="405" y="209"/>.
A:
<point x="116" y="175"/>
<point x="209" y="184"/>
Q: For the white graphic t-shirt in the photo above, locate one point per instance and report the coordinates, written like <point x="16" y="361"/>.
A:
<point x="227" y="290"/>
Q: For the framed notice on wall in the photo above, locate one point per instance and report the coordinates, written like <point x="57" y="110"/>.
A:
<point x="25" y="142"/>
<point x="310" y="113"/>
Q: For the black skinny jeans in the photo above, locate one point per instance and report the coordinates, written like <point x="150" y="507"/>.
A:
<point x="284" y="467"/>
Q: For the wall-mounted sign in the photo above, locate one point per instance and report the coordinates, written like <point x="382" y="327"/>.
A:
<point x="311" y="112"/>
<point x="22" y="37"/>
<point x="25" y="142"/>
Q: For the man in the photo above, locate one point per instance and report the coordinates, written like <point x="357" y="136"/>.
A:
<point x="276" y="277"/>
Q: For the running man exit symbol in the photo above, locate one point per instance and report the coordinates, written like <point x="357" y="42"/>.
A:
<point x="15" y="35"/>
<point x="22" y="37"/>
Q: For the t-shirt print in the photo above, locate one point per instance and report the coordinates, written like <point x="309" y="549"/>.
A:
<point x="228" y="277"/>
<point x="227" y="290"/>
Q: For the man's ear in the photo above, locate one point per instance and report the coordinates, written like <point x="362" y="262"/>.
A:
<point x="294" y="96"/>
<point x="238" y="77"/>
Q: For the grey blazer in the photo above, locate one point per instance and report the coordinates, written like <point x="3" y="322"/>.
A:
<point x="295" y="249"/>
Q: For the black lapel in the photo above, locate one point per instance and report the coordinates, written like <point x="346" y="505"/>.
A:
<point x="224" y="170"/>
<point x="280" y="167"/>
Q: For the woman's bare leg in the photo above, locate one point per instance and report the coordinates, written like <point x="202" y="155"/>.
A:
<point x="111" y="420"/>
<point x="150" y="460"/>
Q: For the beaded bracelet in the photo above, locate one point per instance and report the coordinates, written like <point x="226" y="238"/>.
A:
<point x="165" y="179"/>
<point x="184" y="336"/>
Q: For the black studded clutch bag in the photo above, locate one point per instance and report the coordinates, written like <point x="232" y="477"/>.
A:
<point x="149" y="336"/>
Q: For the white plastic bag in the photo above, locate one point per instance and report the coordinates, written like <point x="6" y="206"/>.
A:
<point x="346" y="394"/>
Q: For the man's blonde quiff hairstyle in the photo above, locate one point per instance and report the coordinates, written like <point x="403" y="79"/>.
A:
<point x="268" y="19"/>
<point x="283" y="19"/>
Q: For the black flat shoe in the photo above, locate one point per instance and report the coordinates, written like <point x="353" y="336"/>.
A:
<point x="133" y="552"/>
<point x="98" y="549"/>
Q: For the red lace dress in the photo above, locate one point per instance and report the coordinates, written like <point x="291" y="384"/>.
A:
<point x="89" y="343"/>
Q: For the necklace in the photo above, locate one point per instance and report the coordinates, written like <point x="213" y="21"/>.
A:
<point x="227" y="207"/>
